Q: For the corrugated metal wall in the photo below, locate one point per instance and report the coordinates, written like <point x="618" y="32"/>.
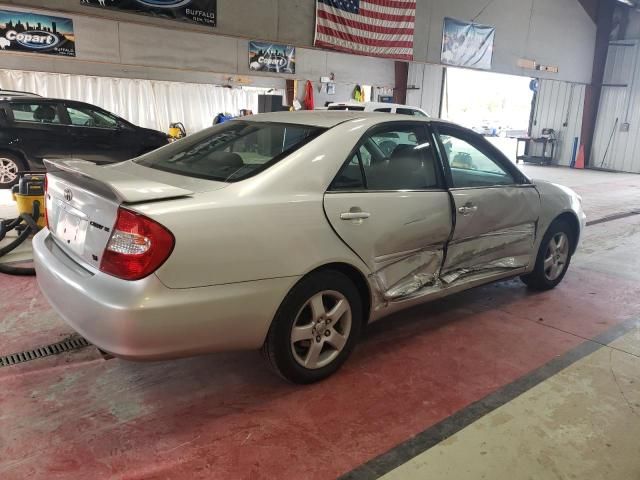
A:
<point x="616" y="142"/>
<point x="425" y="87"/>
<point x="560" y="106"/>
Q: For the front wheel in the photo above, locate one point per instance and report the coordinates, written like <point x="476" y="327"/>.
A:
<point x="553" y="258"/>
<point x="315" y="329"/>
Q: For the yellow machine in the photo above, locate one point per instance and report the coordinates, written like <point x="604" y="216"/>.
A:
<point x="177" y="131"/>
<point x="29" y="195"/>
<point x="30" y="189"/>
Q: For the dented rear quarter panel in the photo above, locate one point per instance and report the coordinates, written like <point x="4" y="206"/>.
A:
<point x="272" y="225"/>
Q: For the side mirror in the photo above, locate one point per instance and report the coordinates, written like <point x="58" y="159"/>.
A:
<point x="121" y="126"/>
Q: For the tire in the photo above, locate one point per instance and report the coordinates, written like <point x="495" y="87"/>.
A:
<point x="327" y="330"/>
<point x="551" y="266"/>
<point x="10" y="169"/>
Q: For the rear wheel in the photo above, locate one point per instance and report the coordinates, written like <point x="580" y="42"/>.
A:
<point x="10" y="168"/>
<point x="553" y="257"/>
<point x="315" y="329"/>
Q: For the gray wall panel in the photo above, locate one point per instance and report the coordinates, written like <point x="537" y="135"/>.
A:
<point x="296" y="22"/>
<point x="367" y="70"/>
<point x="312" y="64"/>
<point x="177" y="49"/>
<point x="139" y="50"/>
<point x="553" y="32"/>
<point x="428" y="80"/>
<point x="615" y="147"/>
<point x="100" y="39"/>
<point x="560" y="106"/>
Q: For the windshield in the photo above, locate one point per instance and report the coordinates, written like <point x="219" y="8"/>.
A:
<point x="232" y="151"/>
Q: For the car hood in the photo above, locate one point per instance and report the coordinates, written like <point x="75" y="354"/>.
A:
<point x="153" y="132"/>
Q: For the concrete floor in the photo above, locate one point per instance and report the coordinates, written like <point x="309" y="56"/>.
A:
<point x="583" y="422"/>
<point x="496" y="383"/>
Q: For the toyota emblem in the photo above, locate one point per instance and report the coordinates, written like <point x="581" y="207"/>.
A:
<point x="68" y="194"/>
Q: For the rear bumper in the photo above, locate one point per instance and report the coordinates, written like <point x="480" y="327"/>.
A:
<point x="145" y="320"/>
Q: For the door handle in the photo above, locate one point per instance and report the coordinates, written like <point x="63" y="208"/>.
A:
<point x="468" y="209"/>
<point x="355" y="216"/>
<point x="355" y="213"/>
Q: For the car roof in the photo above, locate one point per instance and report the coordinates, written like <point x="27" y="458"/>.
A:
<point x="10" y="94"/>
<point x="315" y="118"/>
<point x="28" y="98"/>
<point x="354" y="103"/>
<point x="331" y="118"/>
<point x="39" y="99"/>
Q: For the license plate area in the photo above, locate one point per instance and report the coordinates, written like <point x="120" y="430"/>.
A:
<point x="71" y="229"/>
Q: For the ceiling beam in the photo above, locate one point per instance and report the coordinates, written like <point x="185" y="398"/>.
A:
<point x="591" y="7"/>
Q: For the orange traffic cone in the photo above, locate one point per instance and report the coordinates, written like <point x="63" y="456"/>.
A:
<point x="580" y="158"/>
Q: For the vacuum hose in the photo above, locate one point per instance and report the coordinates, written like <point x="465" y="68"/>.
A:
<point x="28" y="223"/>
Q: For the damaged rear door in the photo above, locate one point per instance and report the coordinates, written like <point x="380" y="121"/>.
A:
<point x="390" y="206"/>
<point x="496" y="208"/>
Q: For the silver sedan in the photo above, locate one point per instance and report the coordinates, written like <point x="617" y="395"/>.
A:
<point x="290" y="232"/>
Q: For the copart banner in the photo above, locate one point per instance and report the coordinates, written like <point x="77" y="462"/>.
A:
<point x="204" y="12"/>
<point x="35" y="33"/>
<point x="272" y="57"/>
<point x="467" y="44"/>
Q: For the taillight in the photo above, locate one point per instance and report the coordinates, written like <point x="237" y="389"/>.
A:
<point x="138" y="247"/>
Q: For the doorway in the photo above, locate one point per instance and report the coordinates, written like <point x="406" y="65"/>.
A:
<point x="495" y="105"/>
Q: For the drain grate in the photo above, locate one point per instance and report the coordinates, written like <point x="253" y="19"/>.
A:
<point x="67" y="345"/>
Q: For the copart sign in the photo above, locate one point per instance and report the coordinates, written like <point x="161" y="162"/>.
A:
<point x="204" y="12"/>
<point x="272" y="57"/>
<point x="35" y="33"/>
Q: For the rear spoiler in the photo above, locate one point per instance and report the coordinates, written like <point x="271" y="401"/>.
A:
<point x="112" y="183"/>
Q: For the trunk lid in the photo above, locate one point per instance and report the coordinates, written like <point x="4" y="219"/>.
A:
<point x="83" y="200"/>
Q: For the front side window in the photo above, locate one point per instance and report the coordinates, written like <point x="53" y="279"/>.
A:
<point x="383" y="110"/>
<point x="89" y="117"/>
<point x="472" y="166"/>
<point x="232" y="151"/>
<point x="46" y="113"/>
<point x="394" y="158"/>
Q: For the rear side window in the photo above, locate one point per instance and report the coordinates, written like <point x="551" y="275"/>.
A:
<point x="383" y="110"/>
<point x="90" y="117"/>
<point x="35" y="113"/>
<point x="391" y="159"/>
<point x="232" y="151"/>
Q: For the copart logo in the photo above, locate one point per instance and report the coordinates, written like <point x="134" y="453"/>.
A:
<point x="164" y="3"/>
<point x="34" y="39"/>
<point x="274" y="61"/>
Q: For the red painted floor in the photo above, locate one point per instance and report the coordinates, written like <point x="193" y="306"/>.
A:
<point x="225" y="416"/>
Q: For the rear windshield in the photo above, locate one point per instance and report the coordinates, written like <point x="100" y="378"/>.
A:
<point x="350" y="108"/>
<point x="232" y="151"/>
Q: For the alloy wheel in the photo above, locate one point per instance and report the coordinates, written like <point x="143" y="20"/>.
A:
<point x="556" y="257"/>
<point x="321" y="329"/>
<point x="8" y="171"/>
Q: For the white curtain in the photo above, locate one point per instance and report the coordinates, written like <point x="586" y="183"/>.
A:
<point x="148" y="103"/>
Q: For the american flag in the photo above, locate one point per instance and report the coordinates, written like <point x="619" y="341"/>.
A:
<point x="381" y="28"/>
